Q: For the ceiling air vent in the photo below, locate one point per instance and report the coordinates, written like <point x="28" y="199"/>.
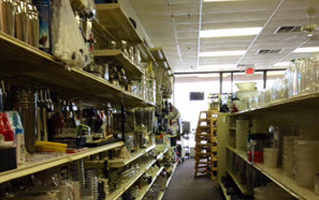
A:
<point x="287" y="29"/>
<point x="269" y="51"/>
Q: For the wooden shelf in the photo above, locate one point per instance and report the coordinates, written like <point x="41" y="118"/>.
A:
<point x="117" y="163"/>
<point x="50" y="160"/>
<point x="21" y="60"/>
<point x="277" y="176"/>
<point x="146" y="188"/>
<point x="224" y="190"/>
<point x="103" y="56"/>
<point x="304" y="100"/>
<point x="113" y="18"/>
<point x="127" y="185"/>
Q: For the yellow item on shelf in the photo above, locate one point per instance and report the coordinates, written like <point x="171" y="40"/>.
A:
<point x="42" y="146"/>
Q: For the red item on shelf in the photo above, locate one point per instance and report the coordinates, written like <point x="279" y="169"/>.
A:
<point x="258" y="157"/>
<point x="5" y="127"/>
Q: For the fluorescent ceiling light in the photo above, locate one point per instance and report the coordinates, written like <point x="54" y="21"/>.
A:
<point x="230" y="32"/>
<point x="196" y="75"/>
<point x="215" y="75"/>
<point x="222" y="53"/>
<point x="221" y="0"/>
<point x="276" y="73"/>
<point x="217" y="66"/>
<point x="282" y="64"/>
<point x="306" y="50"/>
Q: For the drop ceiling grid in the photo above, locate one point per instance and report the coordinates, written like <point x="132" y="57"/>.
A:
<point x="158" y="23"/>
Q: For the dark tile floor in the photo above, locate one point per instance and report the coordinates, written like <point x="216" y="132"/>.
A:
<point x="184" y="187"/>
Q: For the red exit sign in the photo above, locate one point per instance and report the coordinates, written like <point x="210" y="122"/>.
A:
<point x="250" y="71"/>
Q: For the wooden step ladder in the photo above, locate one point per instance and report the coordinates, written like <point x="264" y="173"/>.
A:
<point x="206" y="144"/>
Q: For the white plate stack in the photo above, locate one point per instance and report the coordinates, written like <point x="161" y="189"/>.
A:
<point x="307" y="162"/>
<point x="242" y="129"/>
<point x="288" y="154"/>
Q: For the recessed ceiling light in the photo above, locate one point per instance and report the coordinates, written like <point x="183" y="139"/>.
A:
<point x="221" y="0"/>
<point x="230" y="32"/>
<point x="222" y="53"/>
<point x="306" y="50"/>
<point x="282" y="64"/>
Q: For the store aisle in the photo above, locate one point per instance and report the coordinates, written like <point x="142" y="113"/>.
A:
<point x="185" y="187"/>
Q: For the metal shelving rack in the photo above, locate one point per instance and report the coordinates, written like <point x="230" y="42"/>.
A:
<point x="301" y="110"/>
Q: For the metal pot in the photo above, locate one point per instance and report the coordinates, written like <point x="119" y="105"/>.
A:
<point x="7" y="15"/>
<point x="22" y="21"/>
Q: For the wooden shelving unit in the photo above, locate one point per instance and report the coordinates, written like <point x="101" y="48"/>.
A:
<point x="123" y="162"/>
<point x="50" y="160"/>
<point x="277" y="176"/>
<point x="103" y="56"/>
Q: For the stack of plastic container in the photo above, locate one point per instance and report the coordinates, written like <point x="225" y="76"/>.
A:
<point x="307" y="162"/>
<point x="242" y="134"/>
<point x="288" y="154"/>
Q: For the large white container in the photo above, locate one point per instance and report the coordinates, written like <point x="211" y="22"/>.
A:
<point x="270" y="157"/>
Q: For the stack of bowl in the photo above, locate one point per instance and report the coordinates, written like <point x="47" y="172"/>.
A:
<point x="242" y="129"/>
<point x="246" y="90"/>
